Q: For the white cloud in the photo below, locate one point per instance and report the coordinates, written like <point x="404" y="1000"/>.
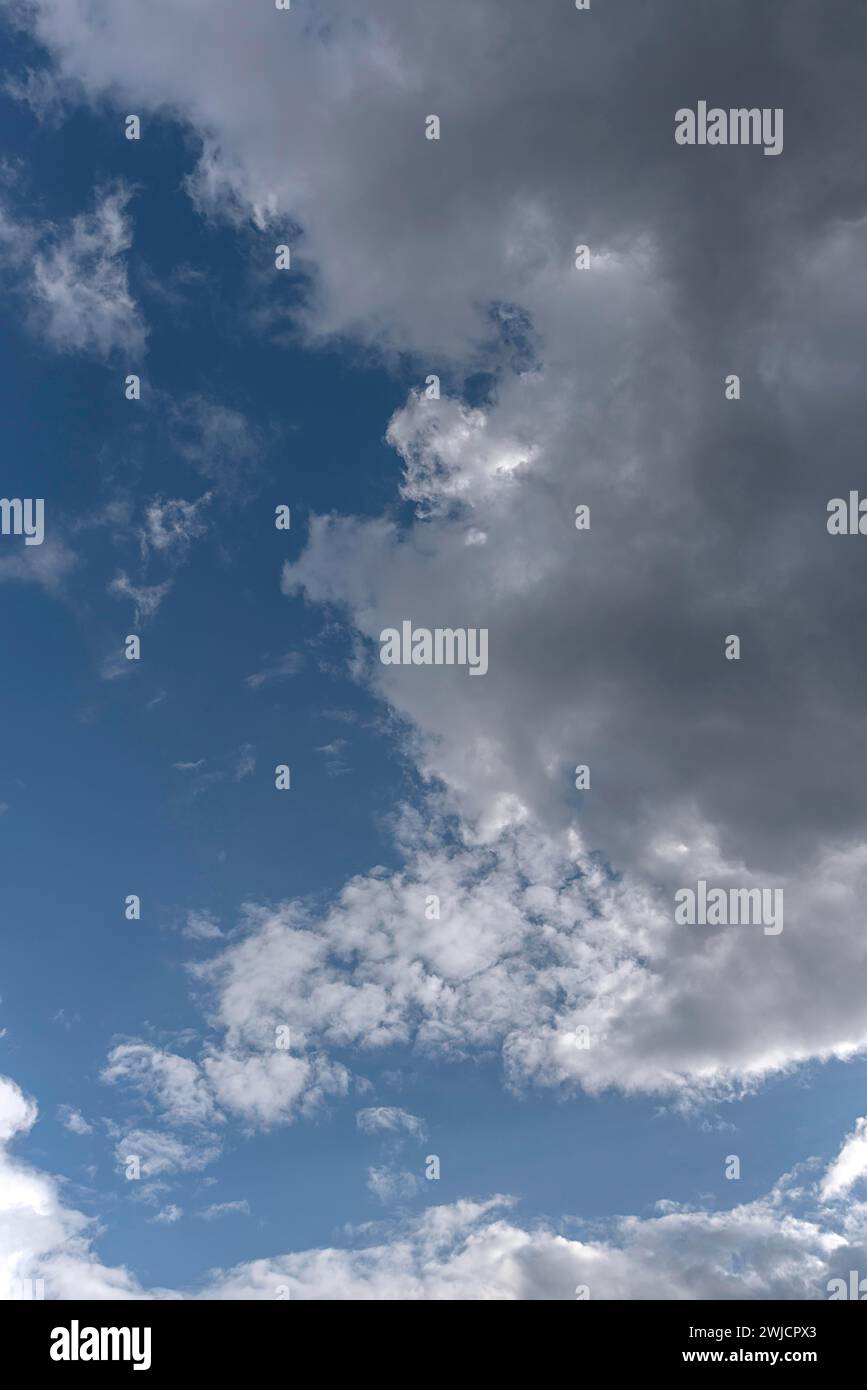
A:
<point x="333" y="753"/>
<point x="775" y="1247"/>
<point x="534" y="940"/>
<point x="168" y="1215"/>
<point x="270" y="1088"/>
<point x="220" y="1209"/>
<point x="263" y="1086"/>
<point x="40" y="1237"/>
<point x="849" y="1167"/>
<point x="245" y="765"/>
<point x="288" y="665"/>
<point x="473" y="1251"/>
<point x="172" y="524"/>
<point x="232" y="767"/>
<point x="73" y="1120"/>
<point x="391" y="1185"/>
<point x="159" y="1152"/>
<point x="605" y="645"/>
<point x="73" y="276"/>
<point x="175" y="1084"/>
<point x="145" y="597"/>
<point x="115" y="666"/>
<point x="40" y="89"/>
<point x="201" y="926"/>
<point x="389" y="1119"/>
<point x="79" y="279"/>
<point x="17" y="1111"/>
<point x="48" y="564"/>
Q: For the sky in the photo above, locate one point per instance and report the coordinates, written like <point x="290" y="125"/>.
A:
<point x="423" y="1024"/>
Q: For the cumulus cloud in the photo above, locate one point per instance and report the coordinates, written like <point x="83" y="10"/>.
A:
<point x="266" y="1089"/>
<point x="159" y="1152"/>
<point x="173" y="1083"/>
<point x="40" y="1236"/>
<point x="849" y="1167"/>
<point x="788" y="1245"/>
<point x="606" y="645"/>
<point x="261" y="1085"/>
<point x="473" y="1251"/>
<point x="17" y="1111"/>
<point x="528" y="944"/>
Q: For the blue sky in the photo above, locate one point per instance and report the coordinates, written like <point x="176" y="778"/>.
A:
<point x="156" y="778"/>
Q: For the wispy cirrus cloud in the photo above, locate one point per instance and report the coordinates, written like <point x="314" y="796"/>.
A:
<point x="389" y="1119"/>
<point x="272" y="670"/>
<point x="218" y="1210"/>
<point x="72" y="277"/>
